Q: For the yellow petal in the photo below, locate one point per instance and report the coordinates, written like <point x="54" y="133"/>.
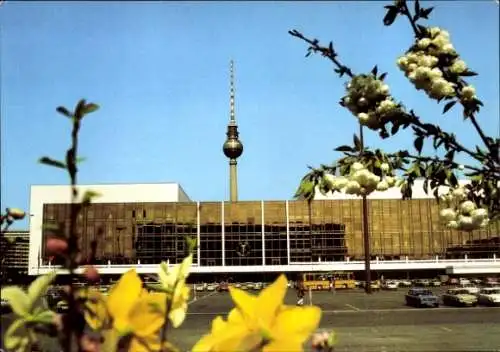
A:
<point x="231" y="338"/>
<point x="299" y="322"/>
<point x="147" y="315"/>
<point x="177" y="316"/>
<point x="123" y="295"/>
<point x="270" y="300"/>
<point x="244" y="301"/>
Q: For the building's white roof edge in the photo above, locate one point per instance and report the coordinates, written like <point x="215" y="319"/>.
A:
<point x="109" y="184"/>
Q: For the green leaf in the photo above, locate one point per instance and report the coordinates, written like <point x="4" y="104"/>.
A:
<point x="79" y="110"/>
<point x="375" y="71"/>
<point x="419" y="143"/>
<point x="38" y="288"/>
<point x="417" y="9"/>
<point x="46" y="317"/>
<point x="391" y="15"/>
<point x="468" y="74"/>
<point x="16" y="337"/>
<point x="51" y="162"/>
<point x="88" y="196"/>
<point x="448" y="106"/>
<point x="344" y="148"/>
<point x="62" y="110"/>
<point x="90" y="108"/>
<point x="424" y="13"/>
<point x="18" y="300"/>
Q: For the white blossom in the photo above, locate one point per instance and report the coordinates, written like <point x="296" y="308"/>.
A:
<point x="468" y="92"/>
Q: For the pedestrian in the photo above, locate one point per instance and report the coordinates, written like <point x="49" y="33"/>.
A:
<point x="301" y="292"/>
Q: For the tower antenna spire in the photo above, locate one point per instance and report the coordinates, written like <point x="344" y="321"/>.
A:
<point x="231" y="93"/>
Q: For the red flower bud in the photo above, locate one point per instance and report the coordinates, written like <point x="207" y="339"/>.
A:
<point x="56" y="246"/>
<point x="91" y="274"/>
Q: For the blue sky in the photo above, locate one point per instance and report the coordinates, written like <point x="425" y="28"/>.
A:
<point x="160" y="73"/>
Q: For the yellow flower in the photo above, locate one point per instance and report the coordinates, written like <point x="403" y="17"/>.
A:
<point x="174" y="281"/>
<point x="133" y="312"/>
<point x="261" y="322"/>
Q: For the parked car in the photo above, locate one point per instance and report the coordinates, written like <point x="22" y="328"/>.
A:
<point x="471" y="288"/>
<point x="422" y="282"/>
<point x="211" y="287"/>
<point x="436" y="283"/>
<point x="390" y="285"/>
<point x="421" y="297"/>
<point x="489" y="296"/>
<point x="199" y="287"/>
<point x="404" y="283"/>
<point x="258" y="286"/>
<point x="223" y="286"/>
<point x="459" y="297"/>
<point x="453" y="281"/>
<point x="463" y="281"/>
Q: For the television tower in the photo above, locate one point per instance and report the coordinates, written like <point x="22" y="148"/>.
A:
<point x="233" y="148"/>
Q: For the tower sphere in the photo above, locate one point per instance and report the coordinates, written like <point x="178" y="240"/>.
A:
<point x="232" y="148"/>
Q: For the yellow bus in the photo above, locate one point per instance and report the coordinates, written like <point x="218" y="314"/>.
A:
<point x="315" y="281"/>
<point x="343" y="279"/>
<point x="326" y="281"/>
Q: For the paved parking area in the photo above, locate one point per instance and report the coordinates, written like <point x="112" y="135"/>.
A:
<point x="377" y="322"/>
<point x="365" y="323"/>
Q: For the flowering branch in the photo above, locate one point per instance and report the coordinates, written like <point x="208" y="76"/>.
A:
<point x="432" y="65"/>
<point x="66" y="244"/>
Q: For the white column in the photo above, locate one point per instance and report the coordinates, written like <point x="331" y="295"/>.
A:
<point x="287" y="232"/>
<point x="223" y="231"/>
<point x="198" y="233"/>
<point x="263" y="232"/>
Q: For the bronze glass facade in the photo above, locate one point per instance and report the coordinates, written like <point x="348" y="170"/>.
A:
<point x="270" y="232"/>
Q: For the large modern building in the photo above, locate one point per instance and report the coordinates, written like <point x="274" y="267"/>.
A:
<point x="140" y="225"/>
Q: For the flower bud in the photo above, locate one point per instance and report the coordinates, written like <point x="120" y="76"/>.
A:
<point x="384" y="89"/>
<point x="382" y="186"/>
<point x="458" y="67"/>
<point x="362" y="102"/>
<point x="467" y="207"/>
<point x="468" y="92"/>
<point x="15" y="213"/>
<point x="384" y="167"/>
<point x="448" y="48"/>
<point x="390" y="181"/>
<point x="465" y="223"/>
<point x="479" y="215"/>
<point x="461" y="167"/>
<point x="91" y="274"/>
<point x="352" y="187"/>
<point x="340" y="182"/>
<point x="434" y="31"/>
<point x="329" y="180"/>
<point x="459" y="193"/>
<point x="447" y="214"/>
<point x="363" y="118"/>
<point x="424" y="43"/>
<point x="56" y="245"/>
<point x="452" y="224"/>
<point x="357" y="166"/>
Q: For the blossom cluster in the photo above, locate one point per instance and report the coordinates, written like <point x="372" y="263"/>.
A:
<point x="430" y="61"/>
<point x="461" y="213"/>
<point x="369" y="99"/>
<point x="360" y="180"/>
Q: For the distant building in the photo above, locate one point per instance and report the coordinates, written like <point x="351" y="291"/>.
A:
<point x="15" y="252"/>
<point x="141" y="224"/>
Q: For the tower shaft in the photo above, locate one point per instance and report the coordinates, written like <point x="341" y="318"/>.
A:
<point x="233" y="180"/>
